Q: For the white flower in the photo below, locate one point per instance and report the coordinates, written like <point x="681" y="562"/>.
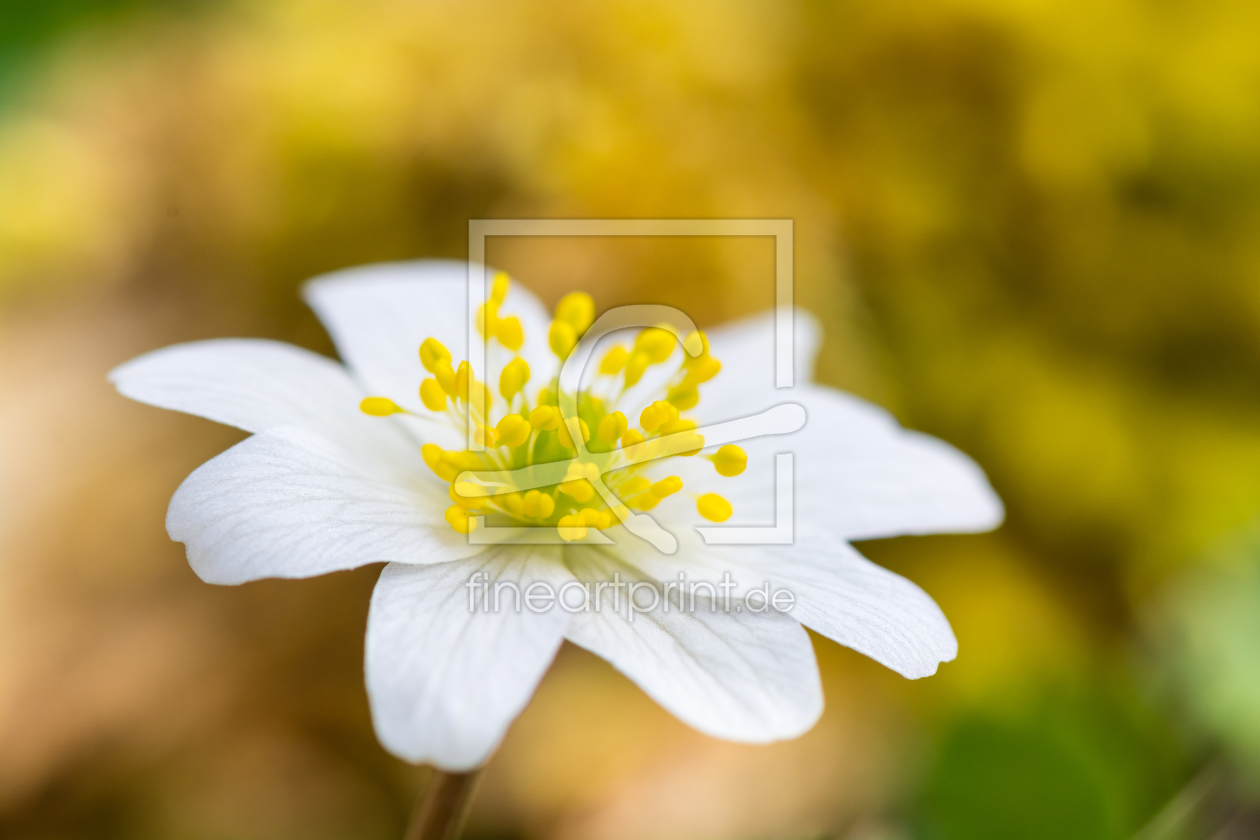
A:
<point x="322" y="486"/>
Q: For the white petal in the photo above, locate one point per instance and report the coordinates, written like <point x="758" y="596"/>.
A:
<point x="837" y="592"/>
<point x="290" y="503"/>
<point x="849" y="599"/>
<point x="745" y="348"/>
<point x="445" y="681"/>
<point x="378" y="315"/>
<point x="735" y="675"/>
<point x="258" y="385"/>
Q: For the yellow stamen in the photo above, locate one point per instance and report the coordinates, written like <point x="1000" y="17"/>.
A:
<point x="566" y="440"/>
<point x="579" y="490"/>
<point x="463" y="378"/>
<point x="713" y="507"/>
<point x="657" y="415"/>
<point x="467" y="502"/>
<point x="513" y="430"/>
<point x="510" y="333"/>
<point x="572" y="527"/>
<point x="513" y="378"/>
<point x="379" y="406"/>
<point x="445" y="376"/>
<point x="656" y="344"/>
<point x="433" y="353"/>
<point x="432" y="395"/>
<point x="459" y="519"/>
<point x="632" y="443"/>
<point x="499" y="288"/>
<point x="635" y="366"/>
<point x="562" y="338"/>
<point x="577" y="309"/>
<point x="614" y="361"/>
<point x="537" y="505"/>
<point x="684" y="397"/>
<point x="612" y="427"/>
<point x="730" y="460"/>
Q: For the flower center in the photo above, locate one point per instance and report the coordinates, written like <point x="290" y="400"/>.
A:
<point x="604" y="479"/>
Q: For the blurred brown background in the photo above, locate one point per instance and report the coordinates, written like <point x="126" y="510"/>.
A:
<point x="1030" y="228"/>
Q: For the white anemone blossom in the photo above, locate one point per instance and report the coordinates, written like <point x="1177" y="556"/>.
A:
<point x="365" y="462"/>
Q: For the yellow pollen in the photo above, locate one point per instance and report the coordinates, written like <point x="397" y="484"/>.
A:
<point x="433" y="353"/>
<point x="513" y="430"/>
<point x="684" y="396"/>
<point x="510" y="333"/>
<point x="468" y="502"/>
<point x="566" y="440"/>
<point x="459" y="519"/>
<point x="577" y="309"/>
<point x="657" y="415"/>
<point x="537" y="505"/>
<point x="513" y="378"/>
<point x="597" y="519"/>
<point x="713" y="507"/>
<point x="572" y="527"/>
<point x="635" y="366"/>
<point x="432" y="395"/>
<point x="379" y="406"/>
<point x="656" y="344"/>
<point x="545" y="417"/>
<point x="579" y="490"/>
<point x="667" y="486"/>
<point x="730" y="460"/>
<point x="696" y="344"/>
<point x="702" y="370"/>
<point x="499" y="288"/>
<point x="634" y="486"/>
<point x="612" y="427"/>
<point x="463" y="377"/>
<point x="485" y="436"/>
<point x="445" y="376"/>
<point x="632" y="443"/>
<point x="614" y="361"/>
<point x="562" y="338"/>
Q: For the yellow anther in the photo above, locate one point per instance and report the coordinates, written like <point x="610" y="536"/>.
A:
<point x="580" y="490"/>
<point x="730" y="460"/>
<point x="632" y="443"/>
<point x="485" y="436"/>
<point x="546" y="396"/>
<point x="577" y="309"/>
<point x="433" y="353"/>
<point x="459" y="519"/>
<point x="684" y="396"/>
<point x="488" y="318"/>
<point x="460" y="460"/>
<point x="572" y="527"/>
<point x="614" y="361"/>
<point x="635" y="365"/>
<point x="713" y="507"/>
<point x="513" y="503"/>
<point x="513" y="378"/>
<point x="703" y="370"/>
<point x="566" y="440"/>
<point x="633" y="487"/>
<point x="544" y="417"/>
<point x="562" y="338"/>
<point x="432" y="395"/>
<point x="379" y="406"/>
<point x="678" y="425"/>
<point x="656" y="344"/>
<point x="578" y="470"/>
<point x="510" y="333"/>
<point x="696" y="345"/>
<point x="445" y="376"/>
<point x="465" y="501"/>
<point x="657" y="415"/>
<point x="667" y="486"/>
<point x="499" y="288"/>
<point x="463" y="379"/>
<point x="597" y="519"/>
<point x="619" y="512"/>
<point x="513" y="430"/>
<point x="612" y="427"/>
<point x="433" y="456"/>
<point x="537" y="505"/>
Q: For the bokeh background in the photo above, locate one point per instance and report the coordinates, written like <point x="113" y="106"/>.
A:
<point x="1030" y="228"/>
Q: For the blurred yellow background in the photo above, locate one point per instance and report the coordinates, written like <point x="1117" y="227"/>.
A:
<point x="1030" y="228"/>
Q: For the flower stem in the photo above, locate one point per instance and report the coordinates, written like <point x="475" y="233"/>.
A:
<point x="441" y="813"/>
